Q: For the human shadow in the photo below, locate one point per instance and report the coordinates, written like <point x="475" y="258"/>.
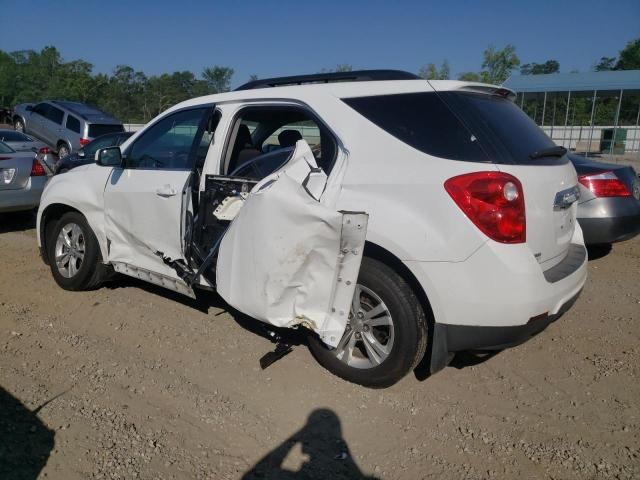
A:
<point x="25" y="442"/>
<point x="321" y="441"/>
<point x="17" y="221"/>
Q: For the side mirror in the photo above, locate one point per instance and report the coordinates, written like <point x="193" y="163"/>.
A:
<point x="109" y="157"/>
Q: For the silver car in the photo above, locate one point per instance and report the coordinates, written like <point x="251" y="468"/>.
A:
<point x="22" y="180"/>
<point x="20" y="142"/>
<point x="65" y="126"/>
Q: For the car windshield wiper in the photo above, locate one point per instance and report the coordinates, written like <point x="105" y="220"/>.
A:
<point x="556" y="151"/>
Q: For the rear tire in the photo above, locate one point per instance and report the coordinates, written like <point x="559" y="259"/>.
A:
<point x="74" y="254"/>
<point x="18" y="125"/>
<point x="63" y="150"/>
<point x="396" y="331"/>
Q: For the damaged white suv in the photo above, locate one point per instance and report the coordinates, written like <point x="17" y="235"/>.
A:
<point x="391" y="218"/>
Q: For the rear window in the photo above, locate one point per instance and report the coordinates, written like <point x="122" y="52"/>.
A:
<point x="422" y="121"/>
<point x="458" y="125"/>
<point x="504" y="131"/>
<point x="73" y="124"/>
<point x="95" y="129"/>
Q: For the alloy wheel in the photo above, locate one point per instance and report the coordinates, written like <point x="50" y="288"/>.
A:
<point x="70" y="250"/>
<point x="369" y="335"/>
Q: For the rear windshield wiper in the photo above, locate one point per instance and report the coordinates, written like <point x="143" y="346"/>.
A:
<point x="556" y="151"/>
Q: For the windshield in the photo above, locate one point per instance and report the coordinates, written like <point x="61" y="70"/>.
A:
<point x="91" y="148"/>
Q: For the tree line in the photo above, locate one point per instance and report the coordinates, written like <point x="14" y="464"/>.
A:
<point x="133" y="96"/>
<point x="30" y="76"/>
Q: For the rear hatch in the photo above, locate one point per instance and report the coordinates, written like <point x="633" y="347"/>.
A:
<point x="516" y="145"/>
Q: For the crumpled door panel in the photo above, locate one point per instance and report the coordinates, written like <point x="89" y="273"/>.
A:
<point x="289" y="260"/>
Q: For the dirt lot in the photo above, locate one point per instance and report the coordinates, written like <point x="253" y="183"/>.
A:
<point x="132" y="382"/>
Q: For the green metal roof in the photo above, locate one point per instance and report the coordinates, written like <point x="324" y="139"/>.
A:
<point x="576" y="82"/>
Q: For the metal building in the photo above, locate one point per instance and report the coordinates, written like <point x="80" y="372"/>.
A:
<point x="590" y="112"/>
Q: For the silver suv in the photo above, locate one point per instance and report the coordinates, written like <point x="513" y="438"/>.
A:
<point x="66" y="126"/>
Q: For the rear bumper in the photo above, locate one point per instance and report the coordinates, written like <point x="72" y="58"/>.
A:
<point x="609" y="220"/>
<point x="448" y="339"/>
<point x="609" y="230"/>
<point x="23" y="198"/>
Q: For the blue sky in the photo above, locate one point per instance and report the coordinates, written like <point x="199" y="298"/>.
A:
<point x="271" y="38"/>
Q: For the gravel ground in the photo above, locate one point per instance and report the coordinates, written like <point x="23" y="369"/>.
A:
<point x="130" y="381"/>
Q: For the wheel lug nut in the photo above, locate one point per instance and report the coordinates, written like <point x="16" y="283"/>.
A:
<point x="358" y="336"/>
<point x="366" y="328"/>
<point x="360" y="314"/>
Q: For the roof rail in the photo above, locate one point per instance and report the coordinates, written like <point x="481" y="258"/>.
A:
<point x="355" y="76"/>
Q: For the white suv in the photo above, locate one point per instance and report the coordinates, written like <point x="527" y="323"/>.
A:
<point x="393" y="218"/>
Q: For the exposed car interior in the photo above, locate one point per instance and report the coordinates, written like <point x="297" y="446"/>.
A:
<point x="263" y="138"/>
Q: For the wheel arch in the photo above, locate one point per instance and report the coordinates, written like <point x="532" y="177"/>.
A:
<point x="51" y="213"/>
<point x="62" y="141"/>
<point x="436" y="356"/>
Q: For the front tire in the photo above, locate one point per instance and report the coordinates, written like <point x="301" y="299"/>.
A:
<point x="18" y="125"/>
<point x="74" y="254"/>
<point x="386" y="335"/>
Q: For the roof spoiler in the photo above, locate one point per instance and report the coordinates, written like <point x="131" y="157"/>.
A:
<point x="491" y="90"/>
<point x="354" y="76"/>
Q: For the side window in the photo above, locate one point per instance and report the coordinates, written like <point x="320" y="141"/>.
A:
<point x="171" y="144"/>
<point x="55" y="115"/>
<point x="73" y="124"/>
<point x="265" y="137"/>
<point x="41" y="109"/>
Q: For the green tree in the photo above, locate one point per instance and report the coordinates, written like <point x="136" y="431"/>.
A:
<point x="218" y="79"/>
<point x="605" y="63"/>
<point x="344" y="67"/>
<point x="431" y="72"/>
<point x="550" y="66"/>
<point x="498" y="64"/>
<point x="629" y="57"/>
<point x="470" y="77"/>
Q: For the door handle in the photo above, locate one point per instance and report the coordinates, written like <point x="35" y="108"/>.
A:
<point x="166" y="191"/>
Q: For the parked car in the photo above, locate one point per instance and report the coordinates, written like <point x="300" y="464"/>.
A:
<point x="406" y="208"/>
<point x="87" y="153"/>
<point x="22" y="180"/>
<point x="65" y="126"/>
<point x="609" y="205"/>
<point x="20" y="142"/>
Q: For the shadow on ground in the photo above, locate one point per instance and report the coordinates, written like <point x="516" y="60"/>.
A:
<point x="325" y="452"/>
<point x="598" y="251"/>
<point x="25" y="442"/>
<point x="204" y="301"/>
<point x="17" y="222"/>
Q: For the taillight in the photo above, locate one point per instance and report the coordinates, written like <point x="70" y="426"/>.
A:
<point x="84" y="141"/>
<point x="493" y="201"/>
<point x="44" y="150"/>
<point x="37" y="170"/>
<point x="605" y="184"/>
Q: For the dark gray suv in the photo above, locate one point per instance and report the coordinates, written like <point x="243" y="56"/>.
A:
<point x="66" y="126"/>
